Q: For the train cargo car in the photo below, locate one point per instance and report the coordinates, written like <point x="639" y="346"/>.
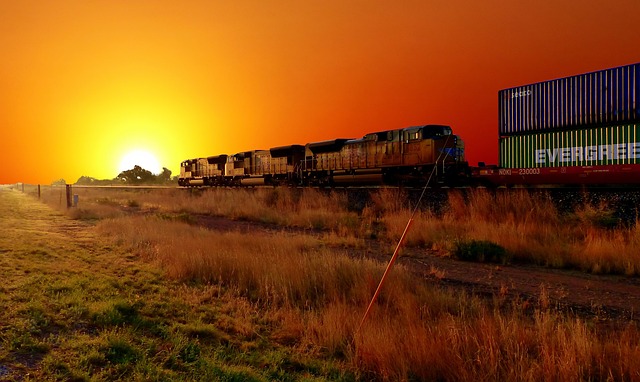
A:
<point x="316" y="167"/>
<point x="257" y="168"/>
<point x="215" y="170"/>
<point x="588" y="156"/>
<point x="359" y="161"/>
<point x="286" y="162"/>
<point x="603" y="98"/>
<point x="258" y="163"/>
<point x="234" y="169"/>
<point x="570" y="176"/>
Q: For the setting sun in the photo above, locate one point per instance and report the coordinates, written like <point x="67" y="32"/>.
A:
<point x="141" y="158"/>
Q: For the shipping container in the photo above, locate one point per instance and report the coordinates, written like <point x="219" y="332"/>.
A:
<point x="602" y="98"/>
<point x="579" y="147"/>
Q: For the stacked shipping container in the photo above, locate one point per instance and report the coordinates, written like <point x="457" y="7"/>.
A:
<point x="604" y="98"/>
<point x="581" y="147"/>
<point x="585" y="120"/>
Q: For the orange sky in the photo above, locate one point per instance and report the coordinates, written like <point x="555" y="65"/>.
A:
<point x="82" y="83"/>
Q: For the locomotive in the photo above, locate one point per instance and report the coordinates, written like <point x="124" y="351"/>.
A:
<point x="581" y="130"/>
<point x="402" y="156"/>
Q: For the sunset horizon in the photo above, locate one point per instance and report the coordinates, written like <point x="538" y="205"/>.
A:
<point x="86" y="86"/>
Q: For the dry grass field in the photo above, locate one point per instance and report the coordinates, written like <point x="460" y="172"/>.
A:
<point x="140" y="285"/>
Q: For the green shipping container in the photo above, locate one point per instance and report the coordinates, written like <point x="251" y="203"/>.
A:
<point x="580" y="147"/>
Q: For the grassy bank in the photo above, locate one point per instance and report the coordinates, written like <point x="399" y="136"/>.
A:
<point x="166" y="299"/>
<point x="78" y="306"/>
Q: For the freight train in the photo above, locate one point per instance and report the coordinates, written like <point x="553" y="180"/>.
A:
<point x="577" y="130"/>
<point x="401" y="156"/>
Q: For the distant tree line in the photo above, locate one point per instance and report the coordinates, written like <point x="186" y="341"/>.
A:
<point x="136" y="176"/>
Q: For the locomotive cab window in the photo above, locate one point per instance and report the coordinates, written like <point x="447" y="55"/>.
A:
<point x="435" y="131"/>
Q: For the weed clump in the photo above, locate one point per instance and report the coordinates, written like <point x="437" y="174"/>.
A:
<point x="120" y="313"/>
<point x="481" y="251"/>
<point x="597" y="217"/>
<point x="119" y="351"/>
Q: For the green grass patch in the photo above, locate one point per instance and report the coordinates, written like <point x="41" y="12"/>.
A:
<point x="120" y="351"/>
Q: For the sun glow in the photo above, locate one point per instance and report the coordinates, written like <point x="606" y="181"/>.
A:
<point x="141" y="158"/>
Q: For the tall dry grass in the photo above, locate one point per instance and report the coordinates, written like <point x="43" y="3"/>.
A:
<point x="281" y="269"/>
<point x="307" y="208"/>
<point x="93" y="203"/>
<point x="533" y="230"/>
<point x="527" y="225"/>
<point x="314" y="299"/>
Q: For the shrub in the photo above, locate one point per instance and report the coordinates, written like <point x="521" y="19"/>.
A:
<point x="480" y="250"/>
<point x="598" y="217"/>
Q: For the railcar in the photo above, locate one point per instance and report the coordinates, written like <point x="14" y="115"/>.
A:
<point x="572" y="131"/>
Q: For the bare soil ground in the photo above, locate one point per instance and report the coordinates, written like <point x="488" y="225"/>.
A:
<point x="602" y="297"/>
<point x="596" y="296"/>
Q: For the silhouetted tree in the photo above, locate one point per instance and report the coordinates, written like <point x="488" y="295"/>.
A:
<point x="164" y="176"/>
<point x="91" y="181"/>
<point x="86" y="180"/>
<point x="136" y="175"/>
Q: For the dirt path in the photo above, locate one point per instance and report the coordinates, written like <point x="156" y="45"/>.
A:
<point x="35" y="242"/>
<point x="55" y="274"/>
<point x="594" y="296"/>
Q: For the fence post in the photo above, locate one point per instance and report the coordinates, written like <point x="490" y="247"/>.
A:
<point x="22" y="187"/>
<point x="68" y="195"/>
<point x="38" y="191"/>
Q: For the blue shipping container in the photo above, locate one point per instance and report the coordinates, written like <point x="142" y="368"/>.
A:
<point x="610" y="96"/>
